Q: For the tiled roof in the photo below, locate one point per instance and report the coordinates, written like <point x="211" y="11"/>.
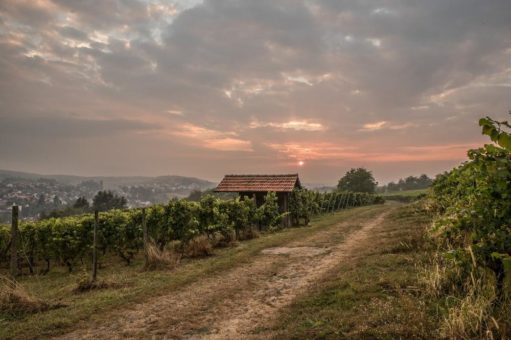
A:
<point x="262" y="183"/>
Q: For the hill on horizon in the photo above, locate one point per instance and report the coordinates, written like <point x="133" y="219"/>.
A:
<point x="111" y="182"/>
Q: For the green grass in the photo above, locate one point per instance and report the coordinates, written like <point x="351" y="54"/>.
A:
<point x="373" y="296"/>
<point x="134" y="285"/>
<point x="406" y="193"/>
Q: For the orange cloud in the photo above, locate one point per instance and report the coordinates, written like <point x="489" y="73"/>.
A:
<point x="313" y="151"/>
<point x="333" y="152"/>
<point x="298" y="125"/>
<point x="373" y="126"/>
<point x="213" y="139"/>
<point x="385" y="125"/>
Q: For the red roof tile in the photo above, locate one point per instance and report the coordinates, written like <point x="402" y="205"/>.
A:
<point x="260" y="183"/>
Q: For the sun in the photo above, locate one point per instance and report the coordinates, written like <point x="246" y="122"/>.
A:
<point x="301" y="163"/>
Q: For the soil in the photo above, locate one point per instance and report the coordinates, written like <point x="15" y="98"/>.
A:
<point x="242" y="302"/>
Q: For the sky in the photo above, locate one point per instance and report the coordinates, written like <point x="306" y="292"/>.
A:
<point x="214" y="87"/>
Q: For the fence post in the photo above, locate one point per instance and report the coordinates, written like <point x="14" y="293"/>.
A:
<point x="94" y="248"/>
<point x="146" y="237"/>
<point x="322" y="204"/>
<point x="14" y="242"/>
<point x="339" y="204"/>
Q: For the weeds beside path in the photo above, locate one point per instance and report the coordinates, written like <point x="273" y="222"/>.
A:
<point x="375" y="294"/>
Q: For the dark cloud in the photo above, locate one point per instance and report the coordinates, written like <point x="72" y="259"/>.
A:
<point x="73" y="33"/>
<point x="253" y="78"/>
<point x="69" y="127"/>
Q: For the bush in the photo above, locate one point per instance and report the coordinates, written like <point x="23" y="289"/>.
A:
<point x="268" y="214"/>
<point x="473" y="232"/>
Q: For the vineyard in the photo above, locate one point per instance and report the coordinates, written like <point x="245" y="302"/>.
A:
<point x="67" y="241"/>
<point x="473" y="233"/>
<point x="452" y="245"/>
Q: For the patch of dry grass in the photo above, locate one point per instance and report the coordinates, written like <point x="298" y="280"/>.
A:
<point x="16" y="301"/>
<point x="161" y="259"/>
<point x="469" y="304"/>
<point x="85" y="284"/>
<point x="249" y="234"/>
<point x="199" y="246"/>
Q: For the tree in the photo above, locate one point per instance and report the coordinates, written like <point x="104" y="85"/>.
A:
<point x="57" y="201"/>
<point x="82" y="204"/>
<point x="357" y="180"/>
<point x="107" y="200"/>
<point x="41" y="201"/>
<point x="195" y="195"/>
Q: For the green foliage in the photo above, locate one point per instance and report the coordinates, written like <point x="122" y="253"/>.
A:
<point x="159" y="230"/>
<point x="210" y="219"/>
<point x="494" y="129"/>
<point x="300" y="206"/>
<point x="81" y="203"/>
<point x="182" y="219"/>
<point x="4" y="242"/>
<point x="268" y="213"/>
<point x="357" y="180"/>
<point x="66" y="240"/>
<point x="239" y="215"/>
<point x="305" y="203"/>
<point x="474" y="206"/>
<point x="106" y="200"/>
<point x="81" y="206"/>
<point x="410" y="183"/>
<point x="125" y="232"/>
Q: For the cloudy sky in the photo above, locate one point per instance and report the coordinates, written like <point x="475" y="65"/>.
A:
<point x="204" y="88"/>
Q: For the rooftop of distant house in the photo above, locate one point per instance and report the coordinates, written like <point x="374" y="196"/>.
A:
<point x="259" y="183"/>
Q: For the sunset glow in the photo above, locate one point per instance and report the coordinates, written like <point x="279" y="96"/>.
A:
<point x="165" y="88"/>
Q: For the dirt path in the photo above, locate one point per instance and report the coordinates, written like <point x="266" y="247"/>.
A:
<point x="238" y="302"/>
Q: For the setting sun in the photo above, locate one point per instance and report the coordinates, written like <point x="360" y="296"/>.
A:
<point x="301" y="163"/>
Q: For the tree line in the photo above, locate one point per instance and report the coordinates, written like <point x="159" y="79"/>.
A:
<point x="408" y="183"/>
<point x="102" y="201"/>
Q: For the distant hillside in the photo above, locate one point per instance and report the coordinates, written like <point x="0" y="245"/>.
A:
<point x="39" y="194"/>
<point x="113" y="182"/>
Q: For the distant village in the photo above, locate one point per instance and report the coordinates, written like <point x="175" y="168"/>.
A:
<point x="42" y="195"/>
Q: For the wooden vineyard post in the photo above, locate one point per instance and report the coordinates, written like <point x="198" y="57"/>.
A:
<point x="333" y="203"/>
<point x="339" y="205"/>
<point x="94" y="248"/>
<point x="146" y="237"/>
<point x="14" y="242"/>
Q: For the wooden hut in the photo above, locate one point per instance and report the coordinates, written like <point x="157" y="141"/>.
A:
<point x="257" y="186"/>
